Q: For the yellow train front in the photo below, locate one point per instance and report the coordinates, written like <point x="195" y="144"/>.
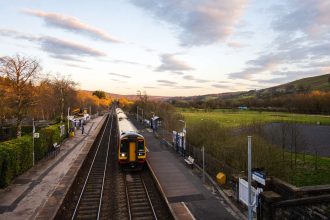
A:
<point x="131" y="150"/>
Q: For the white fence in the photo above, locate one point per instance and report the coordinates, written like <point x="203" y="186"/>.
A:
<point x="244" y="193"/>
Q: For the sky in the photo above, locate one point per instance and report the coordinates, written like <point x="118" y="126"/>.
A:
<point x="171" y="47"/>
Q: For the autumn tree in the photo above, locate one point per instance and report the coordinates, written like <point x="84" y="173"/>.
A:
<point x="46" y="100"/>
<point x="100" y="94"/>
<point x="65" y="92"/>
<point x="21" y="72"/>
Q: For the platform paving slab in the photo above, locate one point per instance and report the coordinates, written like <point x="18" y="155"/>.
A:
<point x="26" y="195"/>
<point x="181" y="185"/>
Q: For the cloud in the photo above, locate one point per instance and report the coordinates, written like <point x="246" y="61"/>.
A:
<point x="55" y="47"/>
<point x="131" y="63"/>
<point x="171" y="63"/>
<point x="72" y="24"/>
<point x="166" y="82"/>
<point x="187" y="87"/>
<point x="189" y="77"/>
<point x="117" y="80"/>
<point x="235" y="45"/>
<point x="77" y="66"/>
<point x="202" y="80"/>
<point x="192" y="78"/>
<point x="310" y="16"/>
<point x="198" y="22"/>
<point x="221" y="86"/>
<point x="150" y="87"/>
<point x="18" y="35"/>
<point x="120" y="75"/>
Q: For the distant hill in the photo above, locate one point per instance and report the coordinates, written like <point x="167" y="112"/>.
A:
<point x="305" y="85"/>
<point x="130" y="97"/>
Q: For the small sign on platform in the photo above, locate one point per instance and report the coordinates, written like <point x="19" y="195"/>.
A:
<point x="36" y="135"/>
<point x="259" y="176"/>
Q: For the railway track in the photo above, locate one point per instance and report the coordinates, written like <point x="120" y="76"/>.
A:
<point x="101" y="190"/>
<point x="138" y="200"/>
<point x="89" y="203"/>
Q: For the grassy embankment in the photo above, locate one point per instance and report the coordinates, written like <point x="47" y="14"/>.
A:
<point x="308" y="169"/>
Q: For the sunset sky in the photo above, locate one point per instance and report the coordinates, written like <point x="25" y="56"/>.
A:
<point x="171" y="47"/>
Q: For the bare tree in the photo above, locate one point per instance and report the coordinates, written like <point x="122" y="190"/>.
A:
<point x="21" y="72"/>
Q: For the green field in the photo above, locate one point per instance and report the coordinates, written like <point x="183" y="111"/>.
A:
<point x="235" y="118"/>
<point x="308" y="169"/>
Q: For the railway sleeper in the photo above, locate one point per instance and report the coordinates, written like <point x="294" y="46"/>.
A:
<point x="92" y="206"/>
<point x="141" y="204"/>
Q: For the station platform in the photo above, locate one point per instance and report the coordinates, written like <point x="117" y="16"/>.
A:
<point x="25" y="197"/>
<point x="184" y="190"/>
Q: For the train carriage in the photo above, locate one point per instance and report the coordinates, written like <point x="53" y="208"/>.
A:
<point x="131" y="149"/>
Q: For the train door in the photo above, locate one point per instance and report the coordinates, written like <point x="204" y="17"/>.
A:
<point x="132" y="151"/>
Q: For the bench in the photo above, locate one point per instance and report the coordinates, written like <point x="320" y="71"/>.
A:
<point x="56" y="148"/>
<point x="190" y="161"/>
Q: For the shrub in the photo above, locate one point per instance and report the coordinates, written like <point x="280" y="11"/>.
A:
<point x="16" y="154"/>
<point x="15" y="158"/>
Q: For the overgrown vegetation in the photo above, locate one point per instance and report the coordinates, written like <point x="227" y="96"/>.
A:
<point x="229" y="146"/>
<point x="16" y="154"/>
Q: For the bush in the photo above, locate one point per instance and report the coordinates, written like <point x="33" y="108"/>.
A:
<point x="15" y="158"/>
<point x="16" y="154"/>
<point x="44" y="144"/>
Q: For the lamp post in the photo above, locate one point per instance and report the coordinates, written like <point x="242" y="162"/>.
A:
<point x="250" y="215"/>
<point x="203" y="151"/>
<point x="184" y="130"/>
<point x="68" y="121"/>
<point x="33" y="132"/>
<point x="151" y="122"/>
<point x="137" y="113"/>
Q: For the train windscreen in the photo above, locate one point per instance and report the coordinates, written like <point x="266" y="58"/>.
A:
<point x="140" y="145"/>
<point x="124" y="146"/>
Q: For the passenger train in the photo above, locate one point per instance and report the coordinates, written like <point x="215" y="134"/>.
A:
<point x="132" y="149"/>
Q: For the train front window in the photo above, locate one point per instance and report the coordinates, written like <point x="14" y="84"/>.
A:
<point x="124" y="146"/>
<point x="140" y="145"/>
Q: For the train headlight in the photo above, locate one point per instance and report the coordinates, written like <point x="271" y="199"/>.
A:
<point x="123" y="155"/>
<point x="140" y="154"/>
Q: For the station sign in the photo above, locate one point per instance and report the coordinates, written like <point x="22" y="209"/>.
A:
<point x="36" y="135"/>
<point x="259" y="176"/>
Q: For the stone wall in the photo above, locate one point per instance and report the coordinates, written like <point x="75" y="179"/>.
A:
<point x="284" y="201"/>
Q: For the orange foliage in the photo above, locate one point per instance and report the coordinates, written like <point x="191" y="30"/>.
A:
<point x="87" y="99"/>
<point x="123" y="102"/>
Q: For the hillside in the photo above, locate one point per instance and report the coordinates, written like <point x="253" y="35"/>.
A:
<point x="305" y="85"/>
<point x="130" y="97"/>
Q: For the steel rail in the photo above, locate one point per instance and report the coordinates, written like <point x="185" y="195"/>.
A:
<point x="150" y="203"/>
<point x="90" y="169"/>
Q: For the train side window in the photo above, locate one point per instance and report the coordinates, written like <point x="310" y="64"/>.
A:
<point x="124" y="146"/>
<point x="140" y="145"/>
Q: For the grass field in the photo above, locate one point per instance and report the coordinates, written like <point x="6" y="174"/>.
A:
<point x="235" y="118"/>
<point x="306" y="174"/>
<point x="308" y="170"/>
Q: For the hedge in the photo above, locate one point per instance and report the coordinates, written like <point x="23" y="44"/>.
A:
<point x="16" y="154"/>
